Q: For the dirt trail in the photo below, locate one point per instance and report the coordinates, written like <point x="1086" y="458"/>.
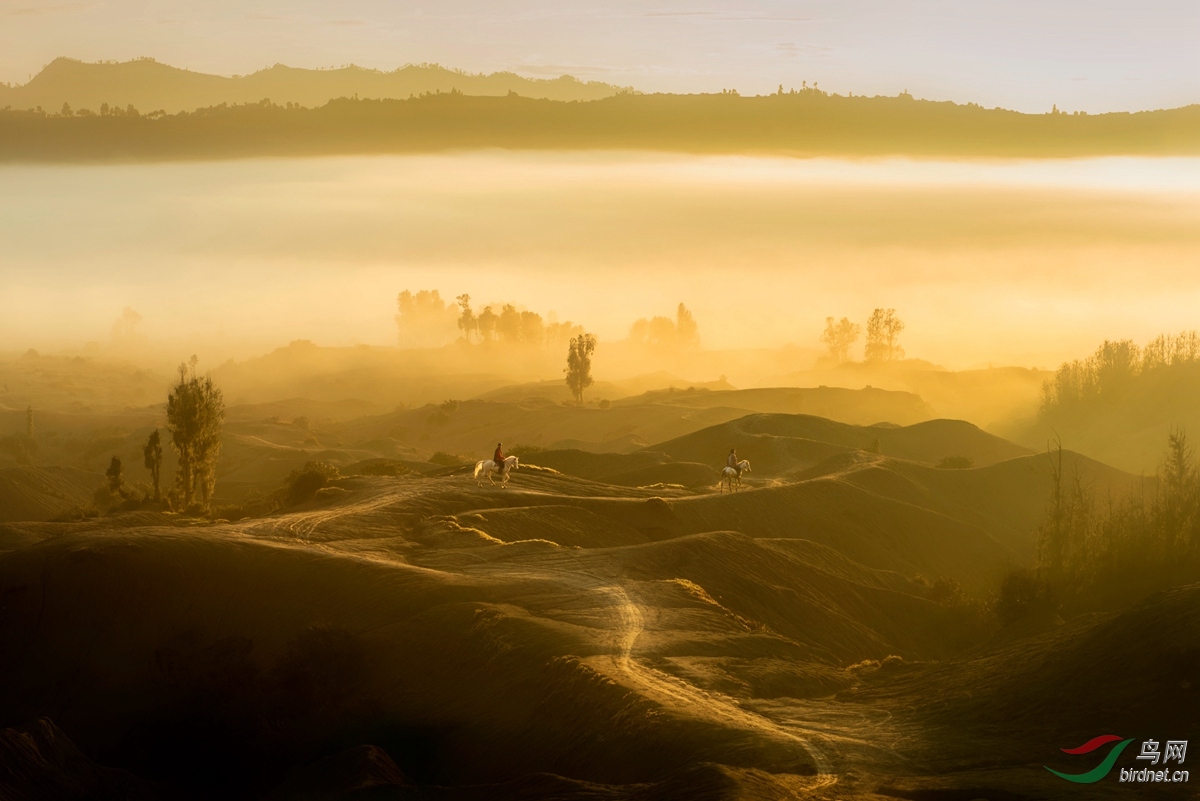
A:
<point x="627" y="624"/>
<point x="685" y="698"/>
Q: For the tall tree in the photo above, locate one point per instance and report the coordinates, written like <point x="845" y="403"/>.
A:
<point x="839" y="337"/>
<point x="685" y="327"/>
<point x="487" y="324"/>
<point x="116" y="483"/>
<point x="533" y="329"/>
<point x="883" y="336"/>
<point x="195" y="412"/>
<point x="579" y="364"/>
<point x="467" y="321"/>
<point x="508" y="327"/>
<point x="152" y="452"/>
<point x="29" y="422"/>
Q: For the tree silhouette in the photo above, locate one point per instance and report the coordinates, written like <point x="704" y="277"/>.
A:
<point x="467" y="321"/>
<point x="839" y="336"/>
<point x="579" y="364"/>
<point x="116" y="484"/>
<point x="883" y="334"/>
<point x="685" y="327"/>
<point x="486" y="323"/>
<point x="423" y="319"/>
<point x="195" y="412"/>
<point x="29" y="422"/>
<point x="152" y="453"/>
<point x="508" y="326"/>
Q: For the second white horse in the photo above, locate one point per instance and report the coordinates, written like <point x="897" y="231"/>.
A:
<point x="731" y="477"/>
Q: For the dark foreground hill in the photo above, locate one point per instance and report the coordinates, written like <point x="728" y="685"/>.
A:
<point x="806" y="123"/>
<point x="421" y="637"/>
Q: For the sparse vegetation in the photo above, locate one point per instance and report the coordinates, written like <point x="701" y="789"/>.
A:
<point x="1100" y="554"/>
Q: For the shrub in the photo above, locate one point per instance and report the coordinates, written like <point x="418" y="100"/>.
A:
<point x="447" y="459"/>
<point x="302" y="484"/>
<point x="956" y="463"/>
<point x="1023" y="593"/>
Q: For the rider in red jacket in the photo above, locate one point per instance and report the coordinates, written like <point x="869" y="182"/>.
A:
<point x="498" y="456"/>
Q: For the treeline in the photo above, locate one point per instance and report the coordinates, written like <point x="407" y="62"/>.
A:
<point x="1114" y="371"/>
<point x="424" y="319"/>
<point x="804" y="122"/>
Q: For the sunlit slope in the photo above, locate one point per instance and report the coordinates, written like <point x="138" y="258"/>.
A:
<point x="777" y="444"/>
<point x="473" y="427"/>
<point x="857" y="406"/>
<point x="638" y="469"/>
<point x="803" y="124"/>
<point x="148" y="86"/>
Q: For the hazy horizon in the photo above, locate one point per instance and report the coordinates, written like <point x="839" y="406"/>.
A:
<point x="1118" y="56"/>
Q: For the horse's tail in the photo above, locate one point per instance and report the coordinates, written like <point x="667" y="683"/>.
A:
<point x="478" y="469"/>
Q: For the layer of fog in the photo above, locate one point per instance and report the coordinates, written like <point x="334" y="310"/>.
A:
<point x="1003" y="262"/>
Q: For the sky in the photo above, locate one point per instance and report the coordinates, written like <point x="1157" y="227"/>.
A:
<point x="1099" y="55"/>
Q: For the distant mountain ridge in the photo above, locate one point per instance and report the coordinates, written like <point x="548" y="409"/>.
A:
<point x="149" y="86"/>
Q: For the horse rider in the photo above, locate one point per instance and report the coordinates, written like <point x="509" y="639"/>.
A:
<point x="498" y="456"/>
<point x="731" y="460"/>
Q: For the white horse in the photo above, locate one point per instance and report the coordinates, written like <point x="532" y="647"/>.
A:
<point x="489" y="468"/>
<point x="731" y="477"/>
